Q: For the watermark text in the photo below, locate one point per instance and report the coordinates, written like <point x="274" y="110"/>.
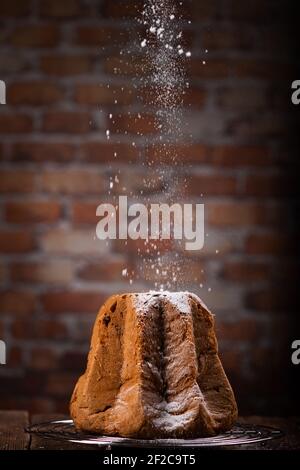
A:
<point x="2" y="92"/>
<point x="2" y="352"/>
<point x="159" y="221"/>
<point x="296" y="352"/>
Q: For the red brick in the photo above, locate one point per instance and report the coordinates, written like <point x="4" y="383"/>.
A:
<point x="211" y="185"/>
<point x="195" y="97"/>
<point x="136" y="66"/>
<point x="42" y="151"/>
<point x="22" y="329"/>
<point x="239" y="331"/>
<point x="67" y="121"/>
<point x="246" y="68"/>
<point x="269" y="243"/>
<point x="195" y="153"/>
<point x="14" y="357"/>
<point x="32" y="212"/>
<point x="132" y="124"/>
<point x="33" y="405"/>
<point x="249" y="127"/>
<point x="96" y="94"/>
<point x="51" y="329"/>
<point x="16" y="242"/>
<point x="3" y="273"/>
<point x="73" y="361"/>
<point x="239" y="156"/>
<point x="191" y="272"/>
<point x="17" y="181"/>
<point x="61" y="384"/>
<point x="227" y="38"/>
<point x="132" y="180"/>
<point x="41" y="329"/>
<point x="261" y="69"/>
<point x="58" y="9"/>
<point x="35" y="36"/>
<point x="231" y="360"/>
<point x="73" y="242"/>
<point x="17" y="302"/>
<point x="213" y="68"/>
<point x="13" y="64"/>
<point x="1" y="329"/>
<point x="101" y="36"/>
<point x="85" y="212"/>
<point x="121" y="9"/>
<point x="15" y="8"/>
<point x="236" y="214"/>
<point x="95" y="152"/>
<point x="247" y="98"/>
<point x="66" y="65"/>
<point x="2" y="152"/>
<point x="141" y="247"/>
<point x="43" y="359"/>
<point x="154" y="97"/>
<point x="49" y="272"/>
<point x="73" y="182"/>
<point x="106" y="270"/>
<point x="15" y="123"/>
<point x="34" y="93"/>
<point x="245" y="271"/>
<point x="72" y="302"/>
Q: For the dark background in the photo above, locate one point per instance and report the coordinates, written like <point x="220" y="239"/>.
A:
<point x="57" y="58"/>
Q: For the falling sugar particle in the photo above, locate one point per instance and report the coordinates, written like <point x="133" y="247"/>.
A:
<point x="168" y="82"/>
<point x="111" y="185"/>
<point x="108" y="134"/>
<point x="130" y="281"/>
<point x="110" y="116"/>
<point x="124" y="272"/>
<point x="203" y="62"/>
<point x="217" y="251"/>
<point x="209" y="289"/>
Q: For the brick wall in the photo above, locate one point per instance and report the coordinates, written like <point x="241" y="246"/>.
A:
<point x="57" y="58"/>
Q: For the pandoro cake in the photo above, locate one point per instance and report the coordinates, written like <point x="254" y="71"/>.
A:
<point x="153" y="371"/>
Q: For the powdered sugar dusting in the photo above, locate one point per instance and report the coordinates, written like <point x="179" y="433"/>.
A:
<point x="180" y="300"/>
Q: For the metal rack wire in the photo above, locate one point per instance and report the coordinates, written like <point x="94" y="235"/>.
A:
<point x="241" y="434"/>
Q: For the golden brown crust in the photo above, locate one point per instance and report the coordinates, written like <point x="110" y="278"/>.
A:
<point x="153" y="370"/>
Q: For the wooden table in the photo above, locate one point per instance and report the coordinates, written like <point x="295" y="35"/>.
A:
<point x="14" y="437"/>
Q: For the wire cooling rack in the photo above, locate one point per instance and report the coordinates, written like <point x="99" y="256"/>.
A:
<point x="64" y="430"/>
